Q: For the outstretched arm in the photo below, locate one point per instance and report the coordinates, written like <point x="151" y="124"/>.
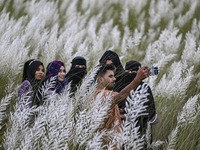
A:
<point x="122" y="95"/>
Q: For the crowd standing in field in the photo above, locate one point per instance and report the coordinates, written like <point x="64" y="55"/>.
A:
<point x="112" y="79"/>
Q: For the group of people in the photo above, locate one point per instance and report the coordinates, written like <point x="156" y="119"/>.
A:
<point x="112" y="79"/>
<point x="34" y="77"/>
<point x="118" y="82"/>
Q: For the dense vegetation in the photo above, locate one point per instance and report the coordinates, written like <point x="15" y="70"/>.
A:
<point x="163" y="33"/>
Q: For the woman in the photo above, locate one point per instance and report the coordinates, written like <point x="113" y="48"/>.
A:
<point x="110" y="57"/>
<point x="57" y="69"/>
<point x="33" y="74"/>
<point x="77" y="72"/>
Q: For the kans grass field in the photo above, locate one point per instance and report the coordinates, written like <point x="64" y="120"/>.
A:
<point x="162" y="33"/>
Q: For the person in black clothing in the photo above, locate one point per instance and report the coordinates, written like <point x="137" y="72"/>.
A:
<point x="110" y="57"/>
<point x="77" y="72"/>
<point x="131" y="69"/>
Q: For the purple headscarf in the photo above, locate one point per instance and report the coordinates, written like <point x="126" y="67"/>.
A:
<point x="53" y="70"/>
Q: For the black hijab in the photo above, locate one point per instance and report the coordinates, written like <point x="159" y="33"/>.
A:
<point x="30" y="67"/>
<point x="150" y="110"/>
<point x="132" y="65"/>
<point x="75" y="74"/>
<point x="110" y="55"/>
<point x="127" y="78"/>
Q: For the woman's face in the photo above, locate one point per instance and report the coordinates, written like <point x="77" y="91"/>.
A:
<point x="39" y="74"/>
<point x="61" y="74"/>
<point x="109" y="62"/>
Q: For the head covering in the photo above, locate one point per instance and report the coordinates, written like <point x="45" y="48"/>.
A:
<point x="53" y="70"/>
<point x="75" y="74"/>
<point x="78" y="60"/>
<point x="132" y="65"/>
<point x="30" y="67"/>
<point x="126" y="77"/>
<point x="110" y="55"/>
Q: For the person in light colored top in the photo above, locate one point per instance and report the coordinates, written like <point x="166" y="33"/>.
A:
<point x="106" y="82"/>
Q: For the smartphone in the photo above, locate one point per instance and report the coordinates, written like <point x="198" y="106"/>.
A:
<point x="154" y="70"/>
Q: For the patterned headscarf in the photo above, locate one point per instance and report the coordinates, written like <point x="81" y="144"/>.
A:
<point x="53" y="70"/>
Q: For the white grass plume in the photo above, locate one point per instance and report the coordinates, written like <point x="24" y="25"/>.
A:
<point x="183" y="19"/>
<point x="172" y="139"/>
<point x="19" y="120"/>
<point x="158" y="11"/>
<point x="190" y="111"/>
<point x="148" y="135"/>
<point x="4" y="102"/>
<point x="180" y="76"/>
<point x="135" y="108"/>
<point x="46" y="10"/>
<point x="148" y="138"/>
<point x="85" y="92"/>
<point x="186" y="116"/>
<point x="190" y="52"/>
<point x="165" y="47"/>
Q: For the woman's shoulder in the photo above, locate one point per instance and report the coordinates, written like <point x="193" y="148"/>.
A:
<point x="24" y="87"/>
<point x="25" y="83"/>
